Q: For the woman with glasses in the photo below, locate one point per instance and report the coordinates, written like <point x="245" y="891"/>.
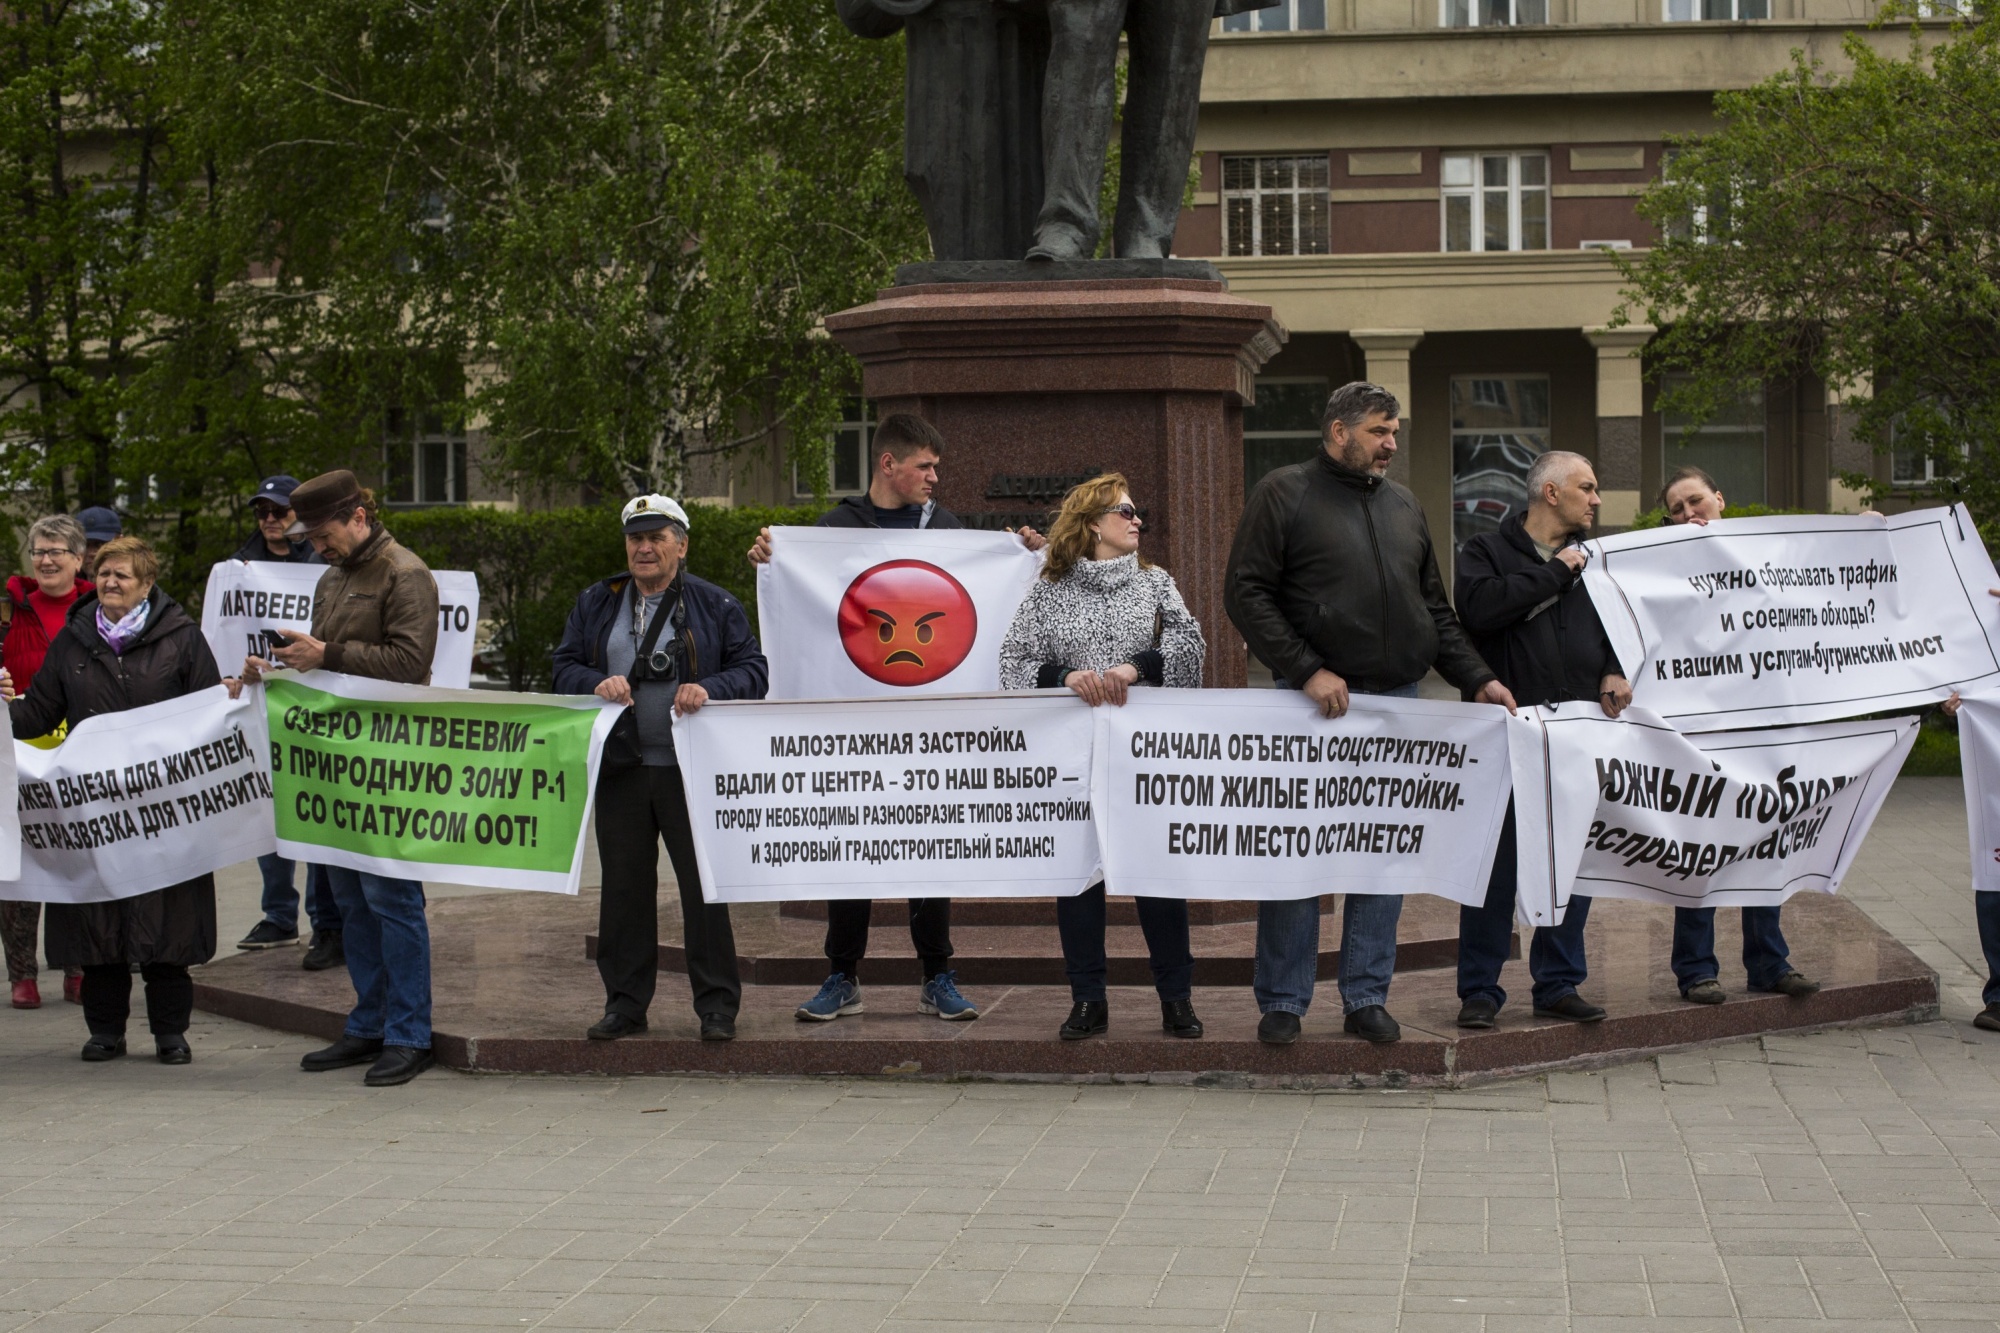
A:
<point x="41" y="604"/>
<point x="1100" y="620"/>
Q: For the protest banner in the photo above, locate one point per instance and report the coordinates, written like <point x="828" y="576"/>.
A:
<point x="984" y="796"/>
<point x="1766" y="621"/>
<point x="416" y="782"/>
<point x="10" y="817"/>
<point x="135" y="801"/>
<point x="1632" y="808"/>
<point x="848" y="613"/>
<point x="1979" y="756"/>
<point x="245" y="598"/>
<point x="1253" y="795"/>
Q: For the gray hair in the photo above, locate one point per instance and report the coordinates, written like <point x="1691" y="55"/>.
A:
<point x="1557" y="465"/>
<point x="57" y="528"/>
<point x="1351" y="405"/>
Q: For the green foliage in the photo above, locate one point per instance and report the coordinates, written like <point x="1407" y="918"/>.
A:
<point x="1844" y="227"/>
<point x="1935" y="755"/>
<point x="1657" y="517"/>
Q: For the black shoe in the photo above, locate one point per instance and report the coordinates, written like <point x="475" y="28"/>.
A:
<point x="399" y="1064"/>
<point x="347" y="1051"/>
<point x="267" y="935"/>
<point x="1087" y="1018"/>
<point x="1177" y="1018"/>
<point x="1988" y="1018"/>
<point x="1481" y="1011"/>
<point x="1278" y="1028"/>
<point x="326" y="952"/>
<point x="1795" y="984"/>
<point x="1371" y="1022"/>
<point x="173" y="1049"/>
<point x="101" y="1048"/>
<point x="1571" y="1006"/>
<point x="613" y="1026"/>
<point x="718" y="1027"/>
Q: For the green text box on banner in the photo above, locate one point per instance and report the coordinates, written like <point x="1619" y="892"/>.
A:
<point x="463" y="786"/>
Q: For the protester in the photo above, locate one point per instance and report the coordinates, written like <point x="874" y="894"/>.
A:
<point x="126" y="646"/>
<point x="660" y="641"/>
<point x="1101" y="619"/>
<point x="100" y="525"/>
<point x="273" y="542"/>
<point x="1986" y="911"/>
<point x="42" y="605"/>
<point x="1520" y="594"/>
<point x="375" y="614"/>
<point x="1691" y="496"/>
<point x="1334" y="584"/>
<point x="907" y="451"/>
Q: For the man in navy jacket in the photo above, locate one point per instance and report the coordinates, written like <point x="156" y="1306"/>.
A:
<point x="660" y="641"/>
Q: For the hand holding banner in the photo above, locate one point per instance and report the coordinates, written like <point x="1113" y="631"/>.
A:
<point x="245" y="598"/>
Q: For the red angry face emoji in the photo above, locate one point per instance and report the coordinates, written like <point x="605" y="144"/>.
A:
<point x="905" y="622"/>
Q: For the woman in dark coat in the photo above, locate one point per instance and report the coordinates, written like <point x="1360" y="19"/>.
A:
<point x="125" y="646"/>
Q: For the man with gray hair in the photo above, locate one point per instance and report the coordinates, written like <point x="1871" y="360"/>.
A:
<point x="1335" y="586"/>
<point x="1521" y="594"/>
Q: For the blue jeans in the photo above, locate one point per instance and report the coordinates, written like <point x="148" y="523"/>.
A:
<point x="281" y="900"/>
<point x="1765" y="955"/>
<point x="1163" y="921"/>
<point x="388" y="946"/>
<point x="1288" y="939"/>
<point x="1986" y="904"/>
<point x="1555" y="957"/>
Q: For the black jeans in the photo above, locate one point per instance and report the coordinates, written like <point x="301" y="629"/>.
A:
<point x="107" y="998"/>
<point x="1165" y="924"/>
<point x="847" y="934"/>
<point x="636" y="807"/>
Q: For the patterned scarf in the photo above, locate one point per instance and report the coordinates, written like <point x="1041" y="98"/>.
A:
<point x="121" y="635"/>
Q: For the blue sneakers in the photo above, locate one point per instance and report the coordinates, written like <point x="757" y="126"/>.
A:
<point x="941" y="997"/>
<point x="838" y="995"/>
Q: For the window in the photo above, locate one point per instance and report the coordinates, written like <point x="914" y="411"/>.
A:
<point x="1499" y="426"/>
<point x="1729" y="447"/>
<point x="1700" y="223"/>
<point x="847" y="465"/>
<point x="1282" y="426"/>
<point x="1689" y="11"/>
<point x="1493" y="13"/>
<point x="1913" y="463"/>
<point x="1285" y="16"/>
<point x="423" y="463"/>
<point x="1496" y="201"/>
<point x="1274" y="205"/>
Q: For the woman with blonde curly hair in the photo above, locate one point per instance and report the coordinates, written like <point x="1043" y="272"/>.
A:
<point x="1100" y="620"/>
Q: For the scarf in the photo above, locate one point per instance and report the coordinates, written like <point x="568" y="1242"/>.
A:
<point x="121" y="635"/>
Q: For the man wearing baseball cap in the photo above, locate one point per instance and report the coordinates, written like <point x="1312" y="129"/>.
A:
<point x="660" y="641"/>
<point x="100" y="525"/>
<point x="275" y="539"/>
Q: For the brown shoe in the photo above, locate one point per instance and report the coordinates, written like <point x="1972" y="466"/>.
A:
<point x="1795" y="984"/>
<point x="1706" y="991"/>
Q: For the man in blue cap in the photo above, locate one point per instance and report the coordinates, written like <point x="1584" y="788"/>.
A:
<point x="100" y="525"/>
<point x="273" y="540"/>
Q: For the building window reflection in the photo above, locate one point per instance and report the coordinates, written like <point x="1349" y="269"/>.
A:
<point x="1499" y="426"/>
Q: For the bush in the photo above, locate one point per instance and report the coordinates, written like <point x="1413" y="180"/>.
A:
<point x="1935" y="755"/>
<point x="1656" y="518"/>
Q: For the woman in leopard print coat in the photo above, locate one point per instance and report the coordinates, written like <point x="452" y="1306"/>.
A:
<point x="1101" y="620"/>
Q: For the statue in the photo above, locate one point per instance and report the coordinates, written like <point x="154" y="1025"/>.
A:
<point x="1003" y="96"/>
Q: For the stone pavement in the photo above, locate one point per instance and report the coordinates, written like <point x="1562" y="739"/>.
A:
<point x="1846" y="1180"/>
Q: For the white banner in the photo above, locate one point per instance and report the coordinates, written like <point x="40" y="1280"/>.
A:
<point x="135" y="801"/>
<point x="1253" y="795"/>
<point x="1634" y="809"/>
<point x="849" y="613"/>
<point x="1979" y="757"/>
<point x="245" y="598"/>
<point x="1765" y="621"/>
<point x="984" y="797"/>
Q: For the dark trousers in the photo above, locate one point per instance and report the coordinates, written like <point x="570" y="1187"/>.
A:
<point x="1986" y="904"/>
<point x="107" y="998"/>
<point x="1765" y="954"/>
<point x="636" y="807"/>
<point x="1165" y="924"/>
<point x="847" y="934"/>
<point x="1556" y="961"/>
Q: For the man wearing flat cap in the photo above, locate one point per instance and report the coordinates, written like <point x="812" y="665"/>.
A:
<point x="660" y="641"/>
<point x="375" y="614"/>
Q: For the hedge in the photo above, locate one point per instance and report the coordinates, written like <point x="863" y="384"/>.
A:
<point x="1655" y="518"/>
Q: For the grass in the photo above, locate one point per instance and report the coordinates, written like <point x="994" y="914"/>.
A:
<point x="1935" y="755"/>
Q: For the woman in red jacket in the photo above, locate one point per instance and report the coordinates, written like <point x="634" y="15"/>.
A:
<point x="41" y="605"/>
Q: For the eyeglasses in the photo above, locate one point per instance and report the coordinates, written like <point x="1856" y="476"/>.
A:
<point x="49" y="552"/>
<point x="264" y="512"/>
<point x="1127" y="511"/>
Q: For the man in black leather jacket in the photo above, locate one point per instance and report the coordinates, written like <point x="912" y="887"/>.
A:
<point x="1335" y="586"/>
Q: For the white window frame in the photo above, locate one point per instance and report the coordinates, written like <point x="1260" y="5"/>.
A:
<point x="1268" y="20"/>
<point x="1516" y="9"/>
<point x="864" y="423"/>
<point x="1693" y="12"/>
<point x="1477" y="192"/>
<point x="1256" y="195"/>
<point x="457" y="465"/>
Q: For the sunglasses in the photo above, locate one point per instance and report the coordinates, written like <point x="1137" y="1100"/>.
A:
<point x="267" y="511"/>
<point x="1128" y="511"/>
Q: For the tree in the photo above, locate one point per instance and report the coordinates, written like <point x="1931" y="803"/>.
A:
<point x="1847" y="226"/>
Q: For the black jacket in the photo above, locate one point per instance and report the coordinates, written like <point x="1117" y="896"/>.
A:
<point x="81" y="678"/>
<point x="858" y="511"/>
<point x="1334" y="568"/>
<point x="1558" y="655"/>
<point x="255" y="549"/>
